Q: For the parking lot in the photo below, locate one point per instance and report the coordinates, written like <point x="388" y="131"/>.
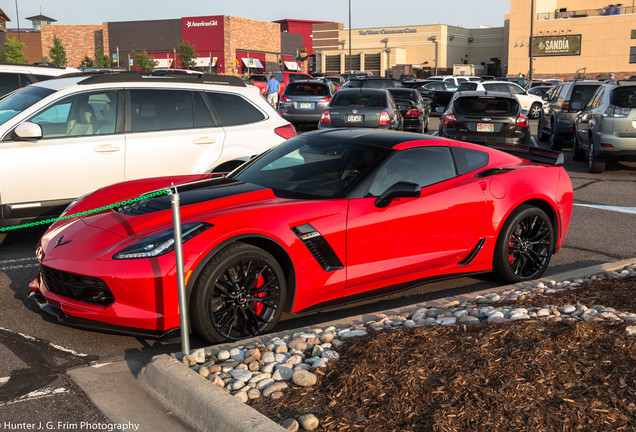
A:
<point x="35" y="351"/>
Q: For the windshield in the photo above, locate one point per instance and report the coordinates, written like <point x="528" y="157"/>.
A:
<point x="482" y="105"/>
<point x="312" y="167"/>
<point x="359" y="99"/>
<point x="410" y="95"/>
<point x="19" y="101"/>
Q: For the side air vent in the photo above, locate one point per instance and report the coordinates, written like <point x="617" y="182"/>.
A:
<point x="492" y="171"/>
<point x="318" y="246"/>
<point x="471" y="256"/>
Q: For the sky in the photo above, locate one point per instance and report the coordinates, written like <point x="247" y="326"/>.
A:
<point x="364" y="13"/>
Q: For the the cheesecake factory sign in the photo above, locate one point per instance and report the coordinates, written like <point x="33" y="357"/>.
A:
<point x="556" y="46"/>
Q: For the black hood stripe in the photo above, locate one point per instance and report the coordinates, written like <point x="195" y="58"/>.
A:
<point x="194" y="193"/>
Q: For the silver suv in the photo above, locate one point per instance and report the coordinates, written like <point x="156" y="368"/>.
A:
<point x="66" y="137"/>
<point x="606" y="127"/>
<point x="562" y="104"/>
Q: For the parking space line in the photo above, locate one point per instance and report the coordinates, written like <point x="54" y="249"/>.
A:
<point x="14" y="260"/>
<point x="38" y="394"/>
<point x="628" y="210"/>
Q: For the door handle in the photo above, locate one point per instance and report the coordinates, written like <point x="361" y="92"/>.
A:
<point x="106" y="148"/>
<point x="205" y="140"/>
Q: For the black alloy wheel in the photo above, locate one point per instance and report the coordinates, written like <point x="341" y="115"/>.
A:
<point x="524" y="246"/>
<point x="239" y="294"/>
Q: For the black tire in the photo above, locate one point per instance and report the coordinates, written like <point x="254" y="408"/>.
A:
<point x="541" y="134"/>
<point x="524" y="246"/>
<point x="239" y="294"/>
<point x="578" y="154"/>
<point x="555" y="141"/>
<point x="535" y="111"/>
<point x="594" y="165"/>
<point x="426" y="126"/>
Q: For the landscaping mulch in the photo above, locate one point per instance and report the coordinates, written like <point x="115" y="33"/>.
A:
<point x="528" y="375"/>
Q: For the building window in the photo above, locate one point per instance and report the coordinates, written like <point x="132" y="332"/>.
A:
<point x="633" y="34"/>
<point x="632" y="54"/>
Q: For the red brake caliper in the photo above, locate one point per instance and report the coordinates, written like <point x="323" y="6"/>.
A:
<point x="511" y="254"/>
<point x="258" y="283"/>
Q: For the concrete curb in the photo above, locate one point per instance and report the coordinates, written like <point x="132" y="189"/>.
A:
<point x="209" y="408"/>
<point x="200" y="403"/>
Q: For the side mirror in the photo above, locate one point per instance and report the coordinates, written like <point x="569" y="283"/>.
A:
<point x="398" y="190"/>
<point x="28" y="131"/>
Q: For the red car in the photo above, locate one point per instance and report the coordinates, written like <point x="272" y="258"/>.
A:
<point x="326" y="217"/>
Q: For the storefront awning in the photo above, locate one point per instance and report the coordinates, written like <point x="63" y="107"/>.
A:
<point x="293" y="66"/>
<point x="252" y="63"/>
<point x="206" y="61"/>
<point x="164" y="63"/>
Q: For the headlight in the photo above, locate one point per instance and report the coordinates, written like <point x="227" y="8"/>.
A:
<point x="161" y="243"/>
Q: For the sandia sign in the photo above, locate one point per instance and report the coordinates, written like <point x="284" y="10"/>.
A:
<point x="556" y="46"/>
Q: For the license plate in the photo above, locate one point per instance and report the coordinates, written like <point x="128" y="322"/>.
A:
<point x="485" y="127"/>
<point x="354" y="118"/>
<point x="306" y="105"/>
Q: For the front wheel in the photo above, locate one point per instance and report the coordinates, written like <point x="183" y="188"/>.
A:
<point x="594" y="165"/>
<point x="240" y="294"/>
<point x="524" y="246"/>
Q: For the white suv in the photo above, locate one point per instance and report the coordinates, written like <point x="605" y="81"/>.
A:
<point x="14" y="76"/>
<point x="531" y="103"/>
<point x="66" y="137"/>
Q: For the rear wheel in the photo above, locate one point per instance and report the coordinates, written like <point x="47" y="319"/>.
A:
<point x="578" y="154"/>
<point x="535" y="111"/>
<point x="593" y="164"/>
<point x="239" y="294"/>
<point x="524" y="246"/>
<point x="541" y="134"/>
<point x="426" y="126"/>
<point x="555" y="140"/>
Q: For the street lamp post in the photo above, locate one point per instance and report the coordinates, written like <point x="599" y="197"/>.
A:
<point x="530" y="75"/>
<point x="434" y="39"/>
<point x="350" y="70"/>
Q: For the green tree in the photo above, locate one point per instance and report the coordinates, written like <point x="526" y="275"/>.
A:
<point x="187" y="55"/>
<point x="87" y="62"/>
<point x="12" y="52"/>
<point x="144" y="61"/>
<point x="57" y="52"/>
<point x="101" y="60"/>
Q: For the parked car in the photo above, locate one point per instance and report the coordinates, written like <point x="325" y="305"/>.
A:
<point x="66" y="137"/>
<point x="325" y="218"/>
<point x="371" y="82"/>
<point x="336" y="79"/>
<point x="540" y="91"/>
<point x="15" y="76"/>
<point x="361" y="107"/>
<point x="439" y="91"/>
<point x="563" y="103"/>
<point x="529" y="102"/>
<point x="415" y="111"/>
<point x="604" y="130"/>
<point x="520" y="81"/>
<point x="260" y="80"/>
<point x="485" y="118"/>
<point x="455" y="79"/>
<point x="349" y="76"/>
<point x="303" y="102"/>
<point x="536" y="83"/>
<point x="407" y="77"/>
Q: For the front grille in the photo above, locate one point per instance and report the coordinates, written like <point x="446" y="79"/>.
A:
<point x="76" y="287"/>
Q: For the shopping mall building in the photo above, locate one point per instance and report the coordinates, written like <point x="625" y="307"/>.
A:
<point x="569" y="38"/>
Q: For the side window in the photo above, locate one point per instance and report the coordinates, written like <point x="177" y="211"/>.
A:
<point x="514" y="89"/>
<point x="157" y="110"/>
<point x="424" y="166"/>
<point x="468" y="160"/>
<point x="9" y="82"/>
<point x="558" y="94"/>
<point x="233" y="110"/>
<point x="450" y="86"/>
<point x="202" y="116"/>
<point x="79" y="115"/>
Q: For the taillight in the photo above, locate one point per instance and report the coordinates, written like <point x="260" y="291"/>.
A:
<point x="325" y="117"/>
<point x="285" y="99"/>
<point x="615" y="111"/>
<point x="412" y="112"/>
<point x="522" y="121"/>
<point x="287" y="131"/>
<point x="449" y="117"/>
<point x="385" y="120"/>
<point x="325" y="99"/>
<point x="566" y="106"/>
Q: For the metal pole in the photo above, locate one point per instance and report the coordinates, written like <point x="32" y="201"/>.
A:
<point x="178" y="252"/>
<point x="530" y="75"/>
<point x="17" y="17"/>
<point x="350" y="70"/>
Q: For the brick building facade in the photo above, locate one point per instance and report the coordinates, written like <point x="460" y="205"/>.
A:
<point x="79" y="41"/>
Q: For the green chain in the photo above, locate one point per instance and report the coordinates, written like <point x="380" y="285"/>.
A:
<point x="88" y="212"/>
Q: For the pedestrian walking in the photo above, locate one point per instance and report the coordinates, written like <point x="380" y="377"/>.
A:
<point x="272" y="89"/>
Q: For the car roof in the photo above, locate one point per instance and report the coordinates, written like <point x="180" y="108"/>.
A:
<point x="361" y="90"/>
<point x="375" y="137"/>
<point x="476" y="93"/>
<point x="36" y="69"/>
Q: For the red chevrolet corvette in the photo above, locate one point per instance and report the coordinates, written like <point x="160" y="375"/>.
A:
<point x="326" y="217"/>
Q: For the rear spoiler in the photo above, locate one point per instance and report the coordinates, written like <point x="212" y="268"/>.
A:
<point x="534" y="154"/>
